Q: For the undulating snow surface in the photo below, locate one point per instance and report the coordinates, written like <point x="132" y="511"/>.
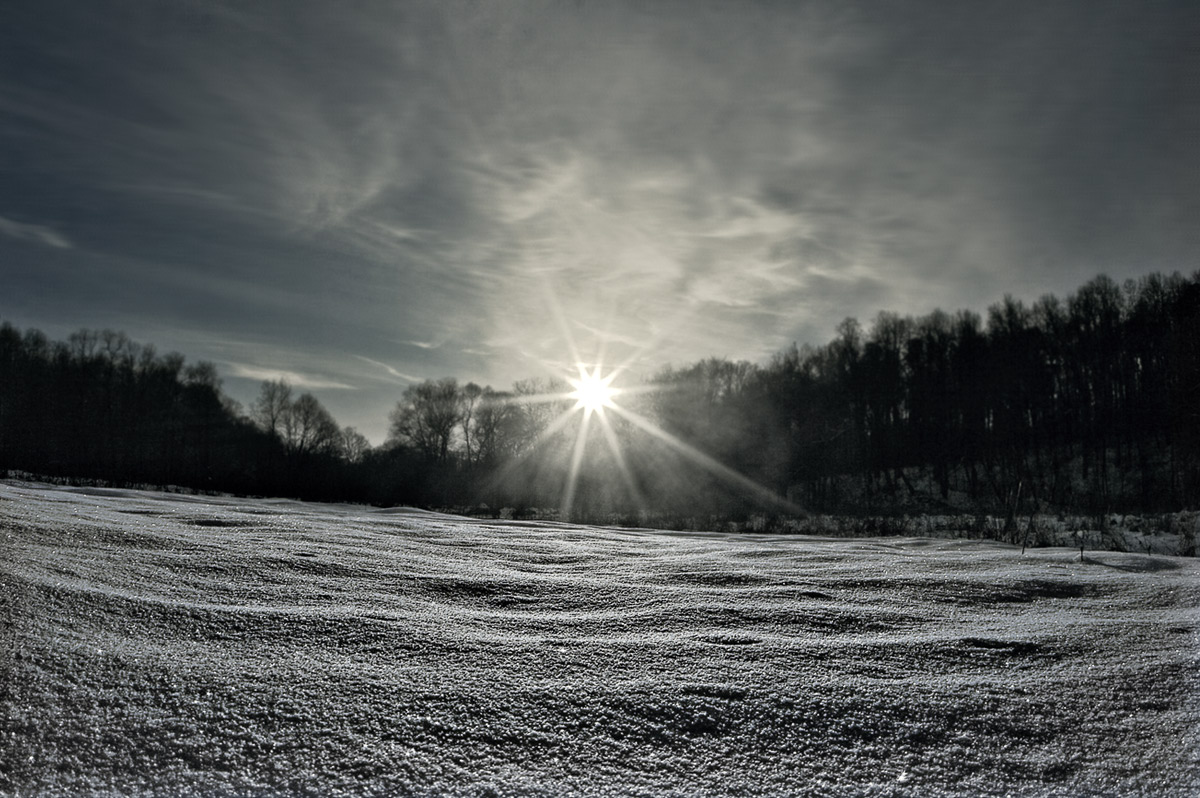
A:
<point x="157" y="644"/>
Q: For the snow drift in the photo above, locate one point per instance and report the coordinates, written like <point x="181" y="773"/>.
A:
<point x="166" y="644"/>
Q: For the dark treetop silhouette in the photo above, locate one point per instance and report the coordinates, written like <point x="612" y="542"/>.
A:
<point x="1086" y="403"/>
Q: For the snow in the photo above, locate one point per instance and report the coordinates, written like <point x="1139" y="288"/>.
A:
<point x="159" y="644"/>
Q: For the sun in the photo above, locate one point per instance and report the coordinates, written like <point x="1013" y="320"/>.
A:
<point x="592" y="392"/>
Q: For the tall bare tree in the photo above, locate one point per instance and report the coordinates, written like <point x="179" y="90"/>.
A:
<point x="425" y="418"/>
<point x="272" y="405"/>
<point x="310" y="429"/>
<point x="354" y="445"/>
<point x="469" y="399"/>
<point x="496" y="426"/>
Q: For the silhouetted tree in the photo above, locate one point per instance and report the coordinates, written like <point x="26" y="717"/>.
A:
<point x="426" y="417"/>
<point x="353" y="445"/>
<point x="495" y="427"/>
<point x="271" y="408"/>
<point x="309" y="429"/>
<point x="469" y="398"/>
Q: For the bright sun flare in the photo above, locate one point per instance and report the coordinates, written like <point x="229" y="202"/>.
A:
<point x="592" y="392"/>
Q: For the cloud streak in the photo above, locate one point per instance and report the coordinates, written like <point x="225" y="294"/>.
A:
<point x="40" y="234"/>
<point x="390" y="371"/>
<point x="295" y="378"/>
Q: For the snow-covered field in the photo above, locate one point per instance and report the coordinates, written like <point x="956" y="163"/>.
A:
<point x="157" y="644"/>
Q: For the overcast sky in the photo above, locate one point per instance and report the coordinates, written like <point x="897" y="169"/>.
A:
<point x="357" y="195"/>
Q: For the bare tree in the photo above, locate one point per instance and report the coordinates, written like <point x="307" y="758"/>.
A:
<point x="426" y="417"/>
<point x="469" y="398"/>
<point x="354" y="445"/>
<point x="272" y="406"/>
<point x="310" y="429"/>
<point x="539" y="404"/>
<point x="496" y="426"/>
<point x="202" y="373"/>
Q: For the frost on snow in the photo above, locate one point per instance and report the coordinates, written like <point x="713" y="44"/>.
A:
<point x="164" y="644"/>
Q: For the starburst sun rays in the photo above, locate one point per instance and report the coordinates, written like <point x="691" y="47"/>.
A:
<point x="592" y="401"/>
<point x="594" y="394"/>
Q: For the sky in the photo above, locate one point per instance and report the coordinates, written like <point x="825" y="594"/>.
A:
<point x="357" y="196"/>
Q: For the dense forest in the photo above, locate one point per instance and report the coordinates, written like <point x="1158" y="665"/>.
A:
<point x="1088" y="403"/>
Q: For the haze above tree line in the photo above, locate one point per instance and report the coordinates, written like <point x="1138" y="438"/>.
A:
<point x="1086" y="403"/>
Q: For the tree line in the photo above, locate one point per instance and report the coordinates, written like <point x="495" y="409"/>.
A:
<point x="101" y="406"/>
<point x="1087" y="403"/>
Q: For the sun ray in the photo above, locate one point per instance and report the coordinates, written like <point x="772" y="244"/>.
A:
<point x="536" y="398"/>
<point x="553" y="428"/>
<point x="592" y="393"/>
<point x="556" y="309"/>
<point x="614" y="446"/>
<point x="705" y="461"/>
<point x="652" y="342"/>
<point x="576" y="462"/>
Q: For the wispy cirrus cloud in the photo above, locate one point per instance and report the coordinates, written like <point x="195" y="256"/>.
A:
<point x="389" y="370"/>
<point x="298" y="379"/>
<point x="37" y="233"/>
